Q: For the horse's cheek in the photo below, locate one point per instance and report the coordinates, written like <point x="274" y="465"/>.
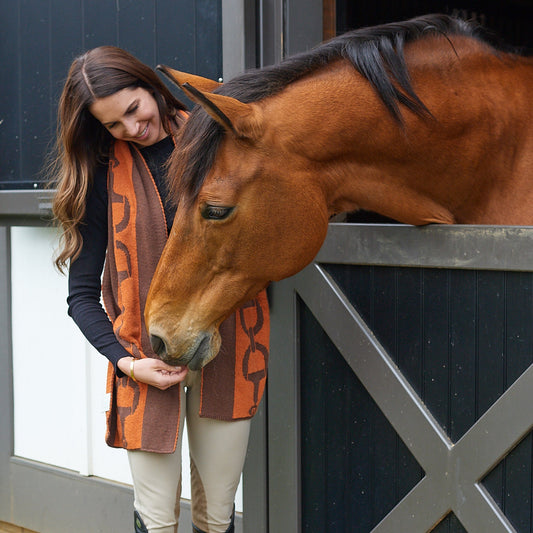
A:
<point x="300" y="244"/>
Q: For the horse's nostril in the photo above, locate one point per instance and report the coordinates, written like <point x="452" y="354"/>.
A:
<point x="157" y="345"/>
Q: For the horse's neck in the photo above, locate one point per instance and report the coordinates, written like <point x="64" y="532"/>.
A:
<point x="441" y="170"/>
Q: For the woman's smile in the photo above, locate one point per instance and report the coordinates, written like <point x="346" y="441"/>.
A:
<point x="143" y="132"/>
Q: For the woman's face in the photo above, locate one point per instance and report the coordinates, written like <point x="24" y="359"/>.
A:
<point x="130" y="115"/>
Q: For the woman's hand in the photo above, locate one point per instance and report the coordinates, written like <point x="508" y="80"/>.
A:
<point x="153" y="371"/>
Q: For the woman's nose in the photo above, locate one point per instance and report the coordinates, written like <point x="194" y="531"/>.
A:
<point x="131" y="128"/>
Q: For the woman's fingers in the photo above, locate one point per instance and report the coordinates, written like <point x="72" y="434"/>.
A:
<point x="158" y="374"/>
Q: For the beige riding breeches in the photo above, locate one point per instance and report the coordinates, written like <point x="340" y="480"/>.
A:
<point x="217" y="452"/>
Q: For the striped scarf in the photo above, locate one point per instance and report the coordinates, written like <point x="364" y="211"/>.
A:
<point x="141" y="416"/>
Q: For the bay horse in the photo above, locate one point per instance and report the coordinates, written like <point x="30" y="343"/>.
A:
<point x="421" y="121"/>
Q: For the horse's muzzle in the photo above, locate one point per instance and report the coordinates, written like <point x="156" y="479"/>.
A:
<point x="195" y="357"/>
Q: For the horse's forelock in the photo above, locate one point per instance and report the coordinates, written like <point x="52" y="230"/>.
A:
<point x="194" y="155"/>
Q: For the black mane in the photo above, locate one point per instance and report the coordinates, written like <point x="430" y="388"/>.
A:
<point x="376" y="52"/>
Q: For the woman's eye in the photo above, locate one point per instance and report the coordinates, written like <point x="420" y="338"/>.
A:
<point x="216" y="212"/>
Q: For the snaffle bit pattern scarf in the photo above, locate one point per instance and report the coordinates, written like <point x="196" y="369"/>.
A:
<point x="141" y="416"/>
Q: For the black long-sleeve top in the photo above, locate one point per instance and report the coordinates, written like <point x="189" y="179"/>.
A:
<point x="85" y="273"/>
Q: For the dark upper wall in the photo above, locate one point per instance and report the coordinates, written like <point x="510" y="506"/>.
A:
<point x="39" y="39"/>
<point x="508" y="20"/>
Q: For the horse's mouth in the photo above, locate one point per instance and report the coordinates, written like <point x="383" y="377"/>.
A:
<point x="201" y="355"/>
<point x="195" y="357"/>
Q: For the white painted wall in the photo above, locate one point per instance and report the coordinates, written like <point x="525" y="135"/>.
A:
<point x="58" y="378"/>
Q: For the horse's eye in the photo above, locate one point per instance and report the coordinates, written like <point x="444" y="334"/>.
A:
<point x="216" y="212"/>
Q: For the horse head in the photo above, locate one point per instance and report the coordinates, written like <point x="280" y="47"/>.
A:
<point x="241" y="230"/>
<point x="411" y="120"/>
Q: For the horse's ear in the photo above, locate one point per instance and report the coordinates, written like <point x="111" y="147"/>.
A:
<point x="238" y="118"/>
<point x="180" y="78"/>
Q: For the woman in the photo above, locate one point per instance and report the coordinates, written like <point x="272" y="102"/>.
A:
<point x="117" y="125"/>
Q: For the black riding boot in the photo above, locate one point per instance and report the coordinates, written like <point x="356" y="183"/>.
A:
<point x="231" y="527"/>
<point x="139" y="524"/>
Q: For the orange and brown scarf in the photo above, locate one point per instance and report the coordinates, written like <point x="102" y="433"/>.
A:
<point x="141" y="416"/>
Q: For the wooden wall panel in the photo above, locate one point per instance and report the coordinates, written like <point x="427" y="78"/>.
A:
<point x="461" y="338"/>
<point x="40" y="40"/>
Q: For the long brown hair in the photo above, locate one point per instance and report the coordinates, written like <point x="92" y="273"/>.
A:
<point x="82" y="142"/>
